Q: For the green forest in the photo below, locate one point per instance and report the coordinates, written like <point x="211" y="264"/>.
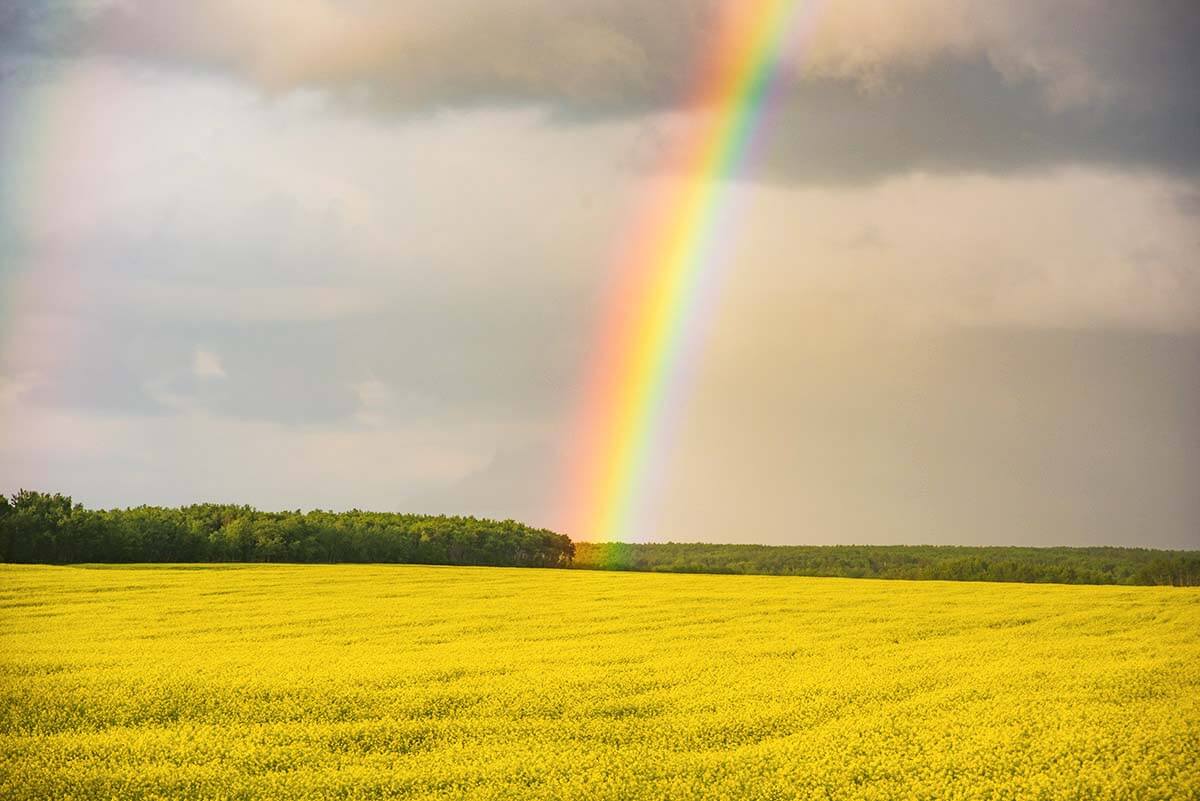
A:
<point x="935" y="562"/>
<point x="38" y="527"/>
<point x="44" y="528"/>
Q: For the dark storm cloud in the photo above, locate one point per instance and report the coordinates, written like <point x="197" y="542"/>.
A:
<point x="964" y="116"/>
<point x="957" y="85"/>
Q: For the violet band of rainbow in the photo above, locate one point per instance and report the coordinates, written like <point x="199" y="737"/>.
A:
<point x="670" y="274"/>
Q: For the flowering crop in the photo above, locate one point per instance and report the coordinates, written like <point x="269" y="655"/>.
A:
<point x="351" y="681"/>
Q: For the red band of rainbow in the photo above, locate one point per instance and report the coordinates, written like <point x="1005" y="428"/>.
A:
<point x="668" y="276"/>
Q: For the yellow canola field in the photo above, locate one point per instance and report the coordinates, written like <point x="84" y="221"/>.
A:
<point x="261" y="682"/>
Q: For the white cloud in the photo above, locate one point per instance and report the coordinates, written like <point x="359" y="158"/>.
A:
<point x="105" y="459"/>
<point x="180" y="300"/>
<point x="375" y="401"/>
<point x="206" y="364"/>
<point x="13" y="387"/>
<point x="1074" y="248"/>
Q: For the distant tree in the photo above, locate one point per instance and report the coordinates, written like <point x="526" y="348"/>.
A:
<point x="33" y="526"/>
<point x="5" y="511"/>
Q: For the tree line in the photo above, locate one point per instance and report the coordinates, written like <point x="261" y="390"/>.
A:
<point x="1099" y="565"/>
<point x="50" y="528"/>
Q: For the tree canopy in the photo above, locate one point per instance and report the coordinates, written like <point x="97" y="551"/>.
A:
<point x="50" y="528"/>
<point x="1099" y="565"/>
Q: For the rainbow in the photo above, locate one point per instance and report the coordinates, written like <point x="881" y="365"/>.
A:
<point x="668" y="273"/>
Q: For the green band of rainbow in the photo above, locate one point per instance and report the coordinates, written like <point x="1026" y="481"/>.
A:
<point x="669" y="275"/>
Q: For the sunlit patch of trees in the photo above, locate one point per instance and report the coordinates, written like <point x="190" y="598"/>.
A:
<point x="945" y="563"/>
<point x="50" y="528"/>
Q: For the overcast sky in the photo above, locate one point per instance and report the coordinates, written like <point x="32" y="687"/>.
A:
<point x="355" y="254"/>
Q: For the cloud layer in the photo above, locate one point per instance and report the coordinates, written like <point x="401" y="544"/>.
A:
<point x="874" y="87"/>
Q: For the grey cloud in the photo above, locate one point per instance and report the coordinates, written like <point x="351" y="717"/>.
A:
<point x="465" y="306"/>
<point x="140" y="365"/>
<point x="982" y="85"/>
<point x="443" y="357"/>
<point x="513" y="484"/>
<point x="964" y="116"/>
<point x="1188" y="202"/>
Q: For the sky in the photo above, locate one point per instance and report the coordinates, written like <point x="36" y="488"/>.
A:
<point x="357" y="254"/>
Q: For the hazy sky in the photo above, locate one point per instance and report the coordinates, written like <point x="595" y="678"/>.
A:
<point x="355" y="254"/>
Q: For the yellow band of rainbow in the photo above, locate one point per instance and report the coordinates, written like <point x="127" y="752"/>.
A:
<point x="670" y="265"/>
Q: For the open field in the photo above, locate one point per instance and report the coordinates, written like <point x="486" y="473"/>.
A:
<point x="420" y="682"/>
